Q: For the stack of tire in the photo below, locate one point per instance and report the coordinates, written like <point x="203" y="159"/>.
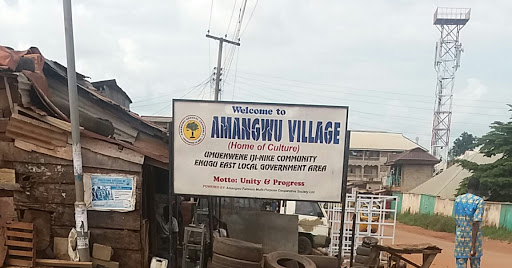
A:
<point x="233" y="253"/>
<point x="363" y="253"/>
<point x="282" y="259"/>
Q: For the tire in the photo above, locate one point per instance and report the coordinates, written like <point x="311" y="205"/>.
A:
<point x="324" y="261"/>
<point x="363" y="251"/>
<point x="370" y="241"/>
<point x="274" y="259"/>
<point x="238" y="249"/>
<point x="233" y="263"/>
<point x="361" y="259"/>
<point x="305" y="245"/>
<point x="364" y="259"/>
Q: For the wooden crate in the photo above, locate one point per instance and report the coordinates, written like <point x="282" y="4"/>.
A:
<point x="20" y="244"/>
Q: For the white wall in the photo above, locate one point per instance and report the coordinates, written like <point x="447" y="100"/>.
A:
<point x="411" y="203"/>
<point x="492" y="214"/>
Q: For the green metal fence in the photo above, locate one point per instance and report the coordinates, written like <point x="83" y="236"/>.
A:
<point x="427" y="204"/>
<point x="506" y="216"/>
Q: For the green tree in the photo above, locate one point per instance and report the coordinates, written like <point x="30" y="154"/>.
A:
<point x="462" y="144"/>
<point x="193" y="127"/>
<point x="495" y="178"/>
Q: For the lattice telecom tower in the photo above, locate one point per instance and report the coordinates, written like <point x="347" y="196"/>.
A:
<point x="450" y="22"/>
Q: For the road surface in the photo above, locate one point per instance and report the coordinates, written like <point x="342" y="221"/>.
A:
<point x="496" y="253"/>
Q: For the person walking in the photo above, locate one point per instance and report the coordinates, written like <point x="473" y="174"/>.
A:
<point x="469" y="213"/>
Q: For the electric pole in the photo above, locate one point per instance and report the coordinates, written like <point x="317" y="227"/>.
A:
<point x="219" y="61"/>
<point x="80" y="208"/>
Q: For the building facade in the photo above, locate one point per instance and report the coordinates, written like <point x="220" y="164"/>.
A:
<point x="369" y="151"/>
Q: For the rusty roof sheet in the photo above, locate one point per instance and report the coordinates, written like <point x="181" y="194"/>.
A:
<point x="416" y="155"/>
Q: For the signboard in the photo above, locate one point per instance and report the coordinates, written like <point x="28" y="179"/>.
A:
<point x="111" y="192"/>
<point x="274" y="151"/>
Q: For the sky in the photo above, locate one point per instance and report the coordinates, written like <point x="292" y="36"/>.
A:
<point x="377" y="57"/>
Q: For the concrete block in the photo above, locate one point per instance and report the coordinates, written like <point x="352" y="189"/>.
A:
<point x="102" y="252"/>
<point x="104" y="264"/>
<point x="60" y="248"/>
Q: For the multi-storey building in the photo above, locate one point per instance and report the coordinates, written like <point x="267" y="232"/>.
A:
<point x="369" y="152"/>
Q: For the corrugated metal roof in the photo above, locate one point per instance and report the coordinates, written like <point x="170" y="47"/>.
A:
<point x="445" y="184"/>
<point x="380" y="141"/>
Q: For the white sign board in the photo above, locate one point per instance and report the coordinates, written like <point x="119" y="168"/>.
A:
<point x="274" y="151"/>
<point x="110" y="192"/>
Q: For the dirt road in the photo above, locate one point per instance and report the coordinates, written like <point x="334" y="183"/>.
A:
<point x="496" y="253"/>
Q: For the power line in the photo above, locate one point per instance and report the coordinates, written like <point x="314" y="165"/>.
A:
<point x="236" y="70"/>
<point x="171" y="93"/>
<point x="250" y="17"/>
<point x="354" y="100"/>
<point x="210" y="21"/>
<point x="415" y="119"/>
<point x="355" y="88"/>
<point x="231" y="18"/>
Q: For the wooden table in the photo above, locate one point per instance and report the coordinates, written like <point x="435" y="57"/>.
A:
<point x="396" y="252"/>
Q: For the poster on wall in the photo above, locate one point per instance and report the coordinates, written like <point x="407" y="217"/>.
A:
<point x="110" y="192"/>
<point x="259" y="150"/>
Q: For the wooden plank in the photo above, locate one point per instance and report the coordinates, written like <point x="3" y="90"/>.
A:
<point x="152" y="144"/>
<point x="20" y="225"/>
<point x="51" y="173"/>
<point x="33" y="135"/>
<point x="63" y="263"/>
<point x="18" y="129"/>
<point x="3" y="124"/>
<point x="10" y="187"/>
<point x="92" y="159"/>
<point x="128" y="258"/>
<point x="9" y="152"/>
<point x="22" y="253"/>
<point x="19" y="244"/>
<point x="117" y="239"/>
<point x="428" y="259"/>
<point x="63" y="215"/>
<point x="45" y="173"/>
<point x="47" y="193"/>
<point x="7" y="175"/>
<point x="8" y="92"/>
<point x="23" y="263"/>
<point x="61" y="124"/>
<point x="20" y="234"/>
<point x="112" y="150"/>
<point x="7" y="209"/>
<point x="59" y="152"/>
<point x="55" y="194"/>
<point x="42" y="126"/>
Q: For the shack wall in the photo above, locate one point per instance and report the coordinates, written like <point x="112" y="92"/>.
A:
<point x="48" y="186"/>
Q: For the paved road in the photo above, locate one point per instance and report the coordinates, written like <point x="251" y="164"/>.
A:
<point x="496" y="254"/>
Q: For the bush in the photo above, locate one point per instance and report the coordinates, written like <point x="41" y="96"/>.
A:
<point x="447" y="224"/>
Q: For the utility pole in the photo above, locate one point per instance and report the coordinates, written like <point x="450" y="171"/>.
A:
<point x="219" y="61"/>
<point x="80" y="208"/>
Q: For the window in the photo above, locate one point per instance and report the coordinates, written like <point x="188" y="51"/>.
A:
<point x="357" y="154"/>
<point x="307" y="208"/>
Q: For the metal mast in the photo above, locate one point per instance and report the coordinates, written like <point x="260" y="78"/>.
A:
<point x="450" y="22"/>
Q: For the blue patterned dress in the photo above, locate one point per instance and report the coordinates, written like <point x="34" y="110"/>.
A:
<point x="468" y="208"/>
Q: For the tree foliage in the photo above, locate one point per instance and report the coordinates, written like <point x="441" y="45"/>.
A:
<point x="192" y="126"/>
<point x="462" y="144"/>
<point x="495" y="178"/>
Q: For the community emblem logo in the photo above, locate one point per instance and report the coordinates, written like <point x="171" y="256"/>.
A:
<point x="192" y="129"/>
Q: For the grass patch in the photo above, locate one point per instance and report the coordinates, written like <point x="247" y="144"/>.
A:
<point x="497" y="233"/>
<point x="447" y="224"/>
<point x="431" y="222"/>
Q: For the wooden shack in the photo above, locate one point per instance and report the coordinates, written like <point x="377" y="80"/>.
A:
<point x="35" y="137"/>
